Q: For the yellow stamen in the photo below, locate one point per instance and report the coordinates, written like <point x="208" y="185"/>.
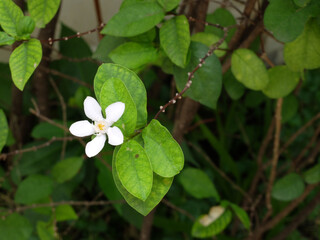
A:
<point x="100" y="126"/>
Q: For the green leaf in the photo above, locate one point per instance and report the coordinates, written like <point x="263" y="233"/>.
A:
<point x="289" y="108"/>
<point x="223" y="17"/>
<point x="207" y="82"/>
<point x="312" y="175"/>
<point x="5" y="39"/>
<point x="242" y="215"/>
<point x="66" y="169"/>
<point x="160" y="187"/>
<point x="4" y="129"/>
<point x="169" y="5"/>
<point x="133" y="83"/>
<point x="216" y="227"/>
<point x="25" y="27"/>
<point x="15" y="227"/>
<point x="33" y="188"/>
<point x="10" y="15"/>
<point x="24" y="60"/>
<point x="134" y="169"/>
<point x="146" y="37"/>
<point x="301" y="3"/>
<point x="249" y="69"/>
<point x="163" y="151"/>
<point x="133" y="55"/>
<point x="114" y="90"/>
<point x="64" y="213"/>
<point x="282" y="81"/>
<point x="47" y="130"/>
<point x="304" y="52"/>
<point x="175" y="39"/>
<point x="135" y="19"/>
<point x="209" y="39"/>
<point x="42" y="11"/>
<point x="288" y="188"/>
<point x="284" y="20"/>
<point x="233" y="87"/>
<point x="45" y="230"/>
<point x="202" y="187"/>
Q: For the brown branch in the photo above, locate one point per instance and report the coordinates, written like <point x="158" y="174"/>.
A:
<point x="311" y="158"/>
<point x="180" y="210"/>
<point x="274" y="161"/>
<point x="147" y="225"/>
<point x="99" y="16"/>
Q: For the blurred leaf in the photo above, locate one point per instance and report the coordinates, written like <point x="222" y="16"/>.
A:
<point x="25" y="27"/>
<point x="146" y="37"/>
<point x="33" y="188"/>
<point x="164" y="152"/>
<point x="249" y="69"/>
<point x="304" y="52"/>
<point x="10" y="15"/>
<point x="24" y="60"/>
<point x="169" y="5"/>
<point x="64" y="213"/>
<point x="301" y="3"/>
<point x="216" y="227"/>
<point x="282" y="81"/>
<point x="289" y="108"/>
<point x="42" y="11"/>
<point x="131" y="81"/>
<point x="4" y="129"/>
<point x="66" y="169"/>
<point x="47" y="131"/>
<point x="134" y="169"/>
<point x="135" y="19"/>
<point x="234" y="88"/>
<point x="312" y="175"/>
<point x="209" y="39"/>
<point x="205" y="88"/>
<point x="288" y="188"/>
<point x="175" y="39"/>
<point x="5" y="39"/>
<point x="15" y="227"/>
<point x="202" y="187"/>
<point x="242" y="215"/>
<point x="114" y="90"/>
<point x="45" y="230"/>
<point x="133" y="55"/>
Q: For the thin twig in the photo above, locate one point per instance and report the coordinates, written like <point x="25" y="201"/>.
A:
<point x="180" y="210"/>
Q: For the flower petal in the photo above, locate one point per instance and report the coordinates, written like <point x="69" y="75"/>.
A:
<point x="92" y="109"/>
<point x="95" y="145"/>
<point x="114" y="112"/>
<point x="115" y="136"/>
<point x="82" y="128"/>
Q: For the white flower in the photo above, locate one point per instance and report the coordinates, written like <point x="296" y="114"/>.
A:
<point x="100" y="126"/>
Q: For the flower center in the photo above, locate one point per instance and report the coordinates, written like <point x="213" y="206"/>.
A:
<point x="101" y="126"/>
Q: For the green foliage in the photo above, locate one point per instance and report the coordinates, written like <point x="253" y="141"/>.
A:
<point x="249" y="69"/>
<point x="241" y="214"/>
<point x="10" y="15"/>
<point x="15" y="226"/>
<point x="202" y="188"/>
<point x="233" y="87"/>
<point x="42" y="11"/>
<point x="175" y="39"/>
<point x="169" y="5"/>
<point x="209" y="39"/>
<point x="4" y="130"/>
<point x="65" y="212"/>
<point x="24" y="60"/>
<point x="288" y="188"/>
<point x="204" y="88"/>
<point x="66" y="169"/>
<point x="46" y="130"/>
<point x="312" y="175"/>
<point x="45" y="230"/>
<point x="164" y="152"/>
<point x="25" y="27"/>
<point x="6" y="39"/>
<point x="134" y="19"/>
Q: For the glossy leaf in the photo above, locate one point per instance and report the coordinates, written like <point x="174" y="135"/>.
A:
<point x="282" y="81"/>
<point x="284" y="20"/>
<point x="209" y="39"/>
<point x="288" y="188"/>
<point x="33" y="188"/>
<point x="164" y="152"/>
<point x="4" y="129"/>
<point x="133" y="55"/>
<point x="42" y="11"/>
<point x="134" y="169"/>
<point x="312" y="175"/>
<point x="304" y="52"/>
<point x="175" y="39"/>
<point x="64" y="213"/>
<point x="133" y="84"/>
<point x="16" y="227"/>
<point x="114" y="90"/>
<point x="24" y="60"/>
<point x="134" y="19"/>
<point x="10" y="15"/>
<point x="234" y="88"/>
<point x="216" y="227"/>
<point x="249" y="69"/>
<point x="6" y="39"/>
<point x="169" y="5"/>
<point x="66" y="169"/>
<point x="207" y="82"/>
<point x="203" y="187"/>
<point x="160" y="187"/>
